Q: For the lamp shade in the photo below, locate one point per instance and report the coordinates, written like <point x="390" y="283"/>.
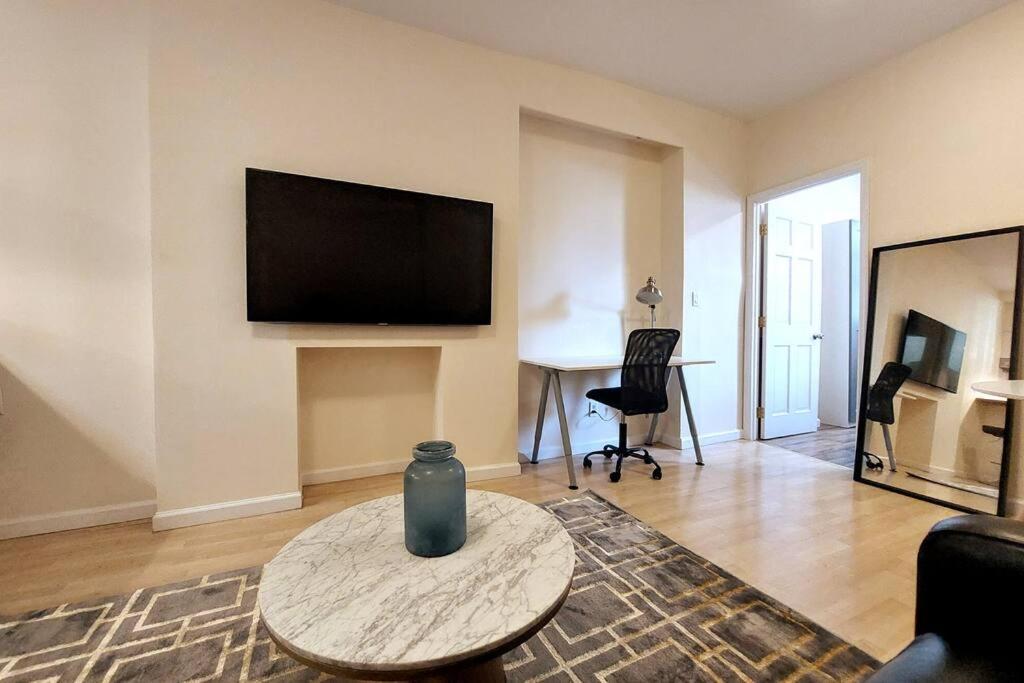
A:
<point x="649" y="294"/>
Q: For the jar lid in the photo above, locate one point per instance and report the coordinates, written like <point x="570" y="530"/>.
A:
<point x="432" y="451"/>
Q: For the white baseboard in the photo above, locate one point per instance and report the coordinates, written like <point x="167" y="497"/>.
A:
<point x="705" y="439"/>
<point x="393" y="466"/>
<point x="76" y="519"/>
<point x="482" y="472"/>
<point x="1015" y="507"/>
<point x="551" y="452"/>
<point x="232" y="509"/>
<point x="371" y="469"/>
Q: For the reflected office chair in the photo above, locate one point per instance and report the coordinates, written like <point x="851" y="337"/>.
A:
<point x="880" y="408"/>
<point x="641" y="392"/>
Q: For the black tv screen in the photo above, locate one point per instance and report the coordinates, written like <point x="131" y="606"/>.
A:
<point x="933" y="351"/>
<point x="328" y="251"/>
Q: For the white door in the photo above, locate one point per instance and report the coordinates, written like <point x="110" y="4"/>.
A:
<point x="792" y="330"/>
<point x="835" y="402"/>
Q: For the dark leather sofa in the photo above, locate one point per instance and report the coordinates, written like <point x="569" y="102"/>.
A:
<point x="970" y="605"/>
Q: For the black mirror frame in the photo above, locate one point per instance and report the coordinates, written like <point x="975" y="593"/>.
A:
<point x="869" y="336"/>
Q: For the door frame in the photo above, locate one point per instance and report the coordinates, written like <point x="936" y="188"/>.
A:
<point x="754" y="278"/>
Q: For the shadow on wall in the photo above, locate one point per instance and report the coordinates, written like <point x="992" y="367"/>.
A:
<point x="345" y="332"/>
<point x="48" y="460"/>
<point x="560" y="306"/>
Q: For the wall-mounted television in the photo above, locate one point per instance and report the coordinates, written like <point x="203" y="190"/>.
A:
<point x="329" y="251"/>
<point x="933" y="351"/>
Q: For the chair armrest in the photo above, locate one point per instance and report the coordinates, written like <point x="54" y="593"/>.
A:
<point x="970" y="578"/>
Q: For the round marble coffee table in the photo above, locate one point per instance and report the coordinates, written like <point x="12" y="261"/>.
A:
<point x="347" y="598"/>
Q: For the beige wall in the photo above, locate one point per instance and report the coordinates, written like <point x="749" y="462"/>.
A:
<point x="590" y="235"/>
<point x="361" y="410"/>
<point x="312" y="88"/>
<point x="76" y="340"/>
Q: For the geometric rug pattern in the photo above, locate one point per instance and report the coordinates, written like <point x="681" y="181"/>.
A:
<point x="644" y="608"/>
<point x="641" y="608"/>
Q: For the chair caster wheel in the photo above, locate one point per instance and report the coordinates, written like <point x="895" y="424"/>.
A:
<point x="586" y="465"/>
<point x="648" y="460"/>
<point x="608" y="455"/>
<point x="615" y="476"/>
<point x="656" y="474"/>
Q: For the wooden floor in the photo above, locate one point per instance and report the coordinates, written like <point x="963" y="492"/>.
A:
<point x="831" y="444"/>
<point x="796" y="527"/>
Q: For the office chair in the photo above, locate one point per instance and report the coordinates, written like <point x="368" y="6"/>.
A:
<point x="880" y="408"/>
<point x="641" y="392"/>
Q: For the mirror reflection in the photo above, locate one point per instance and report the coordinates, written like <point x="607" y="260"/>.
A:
<point x="943" y="322"/>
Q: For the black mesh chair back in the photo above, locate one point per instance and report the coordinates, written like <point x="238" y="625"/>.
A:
<point x="881" y="393"/>
<point x="643" y="371"/>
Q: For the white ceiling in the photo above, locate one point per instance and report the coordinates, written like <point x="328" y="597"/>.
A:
<point x="744" y="57"/>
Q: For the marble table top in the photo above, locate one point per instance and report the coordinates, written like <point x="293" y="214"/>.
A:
<point x="346" y="594"/>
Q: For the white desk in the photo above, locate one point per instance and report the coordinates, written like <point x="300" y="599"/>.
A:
<point x="553" y="366"/>
<point x="1004" y="388"/>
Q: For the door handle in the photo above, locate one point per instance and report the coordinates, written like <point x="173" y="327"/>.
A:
<point x="817" y="336"/>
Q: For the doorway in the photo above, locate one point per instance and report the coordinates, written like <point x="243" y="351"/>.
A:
<point x="807" y="274"/>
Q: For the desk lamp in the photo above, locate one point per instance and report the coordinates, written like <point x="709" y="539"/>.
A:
<point x="650" y="296"/>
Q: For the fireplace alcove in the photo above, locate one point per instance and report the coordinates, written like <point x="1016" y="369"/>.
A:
<point x="361" y="409"/>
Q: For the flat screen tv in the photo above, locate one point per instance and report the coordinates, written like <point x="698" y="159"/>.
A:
<point x="328" y="251"/>
<point x="933" y="351"/>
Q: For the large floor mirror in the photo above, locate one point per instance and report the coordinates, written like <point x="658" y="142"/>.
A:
<point x="940" y="350"/>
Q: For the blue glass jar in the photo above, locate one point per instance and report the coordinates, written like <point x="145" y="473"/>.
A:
<point x="435" y="500"/>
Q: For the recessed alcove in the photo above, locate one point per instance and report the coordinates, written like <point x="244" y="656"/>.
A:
<point x="600" y="211"/>
<point x="361" y="409"/>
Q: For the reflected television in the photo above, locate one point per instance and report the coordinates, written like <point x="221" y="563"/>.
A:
<point x="933" y="351"/>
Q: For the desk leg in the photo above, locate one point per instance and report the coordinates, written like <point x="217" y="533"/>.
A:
<point x="650" y="432"/>
<point x="566" y="445"/>
<point x="654" y="418"/>
<point x="539" y="429"/>
<point x="689" y="414"/>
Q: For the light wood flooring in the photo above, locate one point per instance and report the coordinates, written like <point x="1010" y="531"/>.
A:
<point x="798" y="528"/>
<point x="831" y="444"/>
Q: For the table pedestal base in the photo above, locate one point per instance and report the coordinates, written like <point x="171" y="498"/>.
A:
<point x="488" y="671"/>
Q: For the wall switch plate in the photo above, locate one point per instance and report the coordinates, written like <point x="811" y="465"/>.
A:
<point x="694" y="299"/>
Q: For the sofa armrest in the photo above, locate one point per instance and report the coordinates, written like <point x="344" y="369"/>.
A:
<point x="970" y="579"/>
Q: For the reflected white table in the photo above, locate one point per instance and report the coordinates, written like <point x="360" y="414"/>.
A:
<point x="552" y="369"/>
<point x="1004" y="388"/>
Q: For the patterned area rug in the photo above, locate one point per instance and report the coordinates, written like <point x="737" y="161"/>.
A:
<point x="642" y="608"/>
